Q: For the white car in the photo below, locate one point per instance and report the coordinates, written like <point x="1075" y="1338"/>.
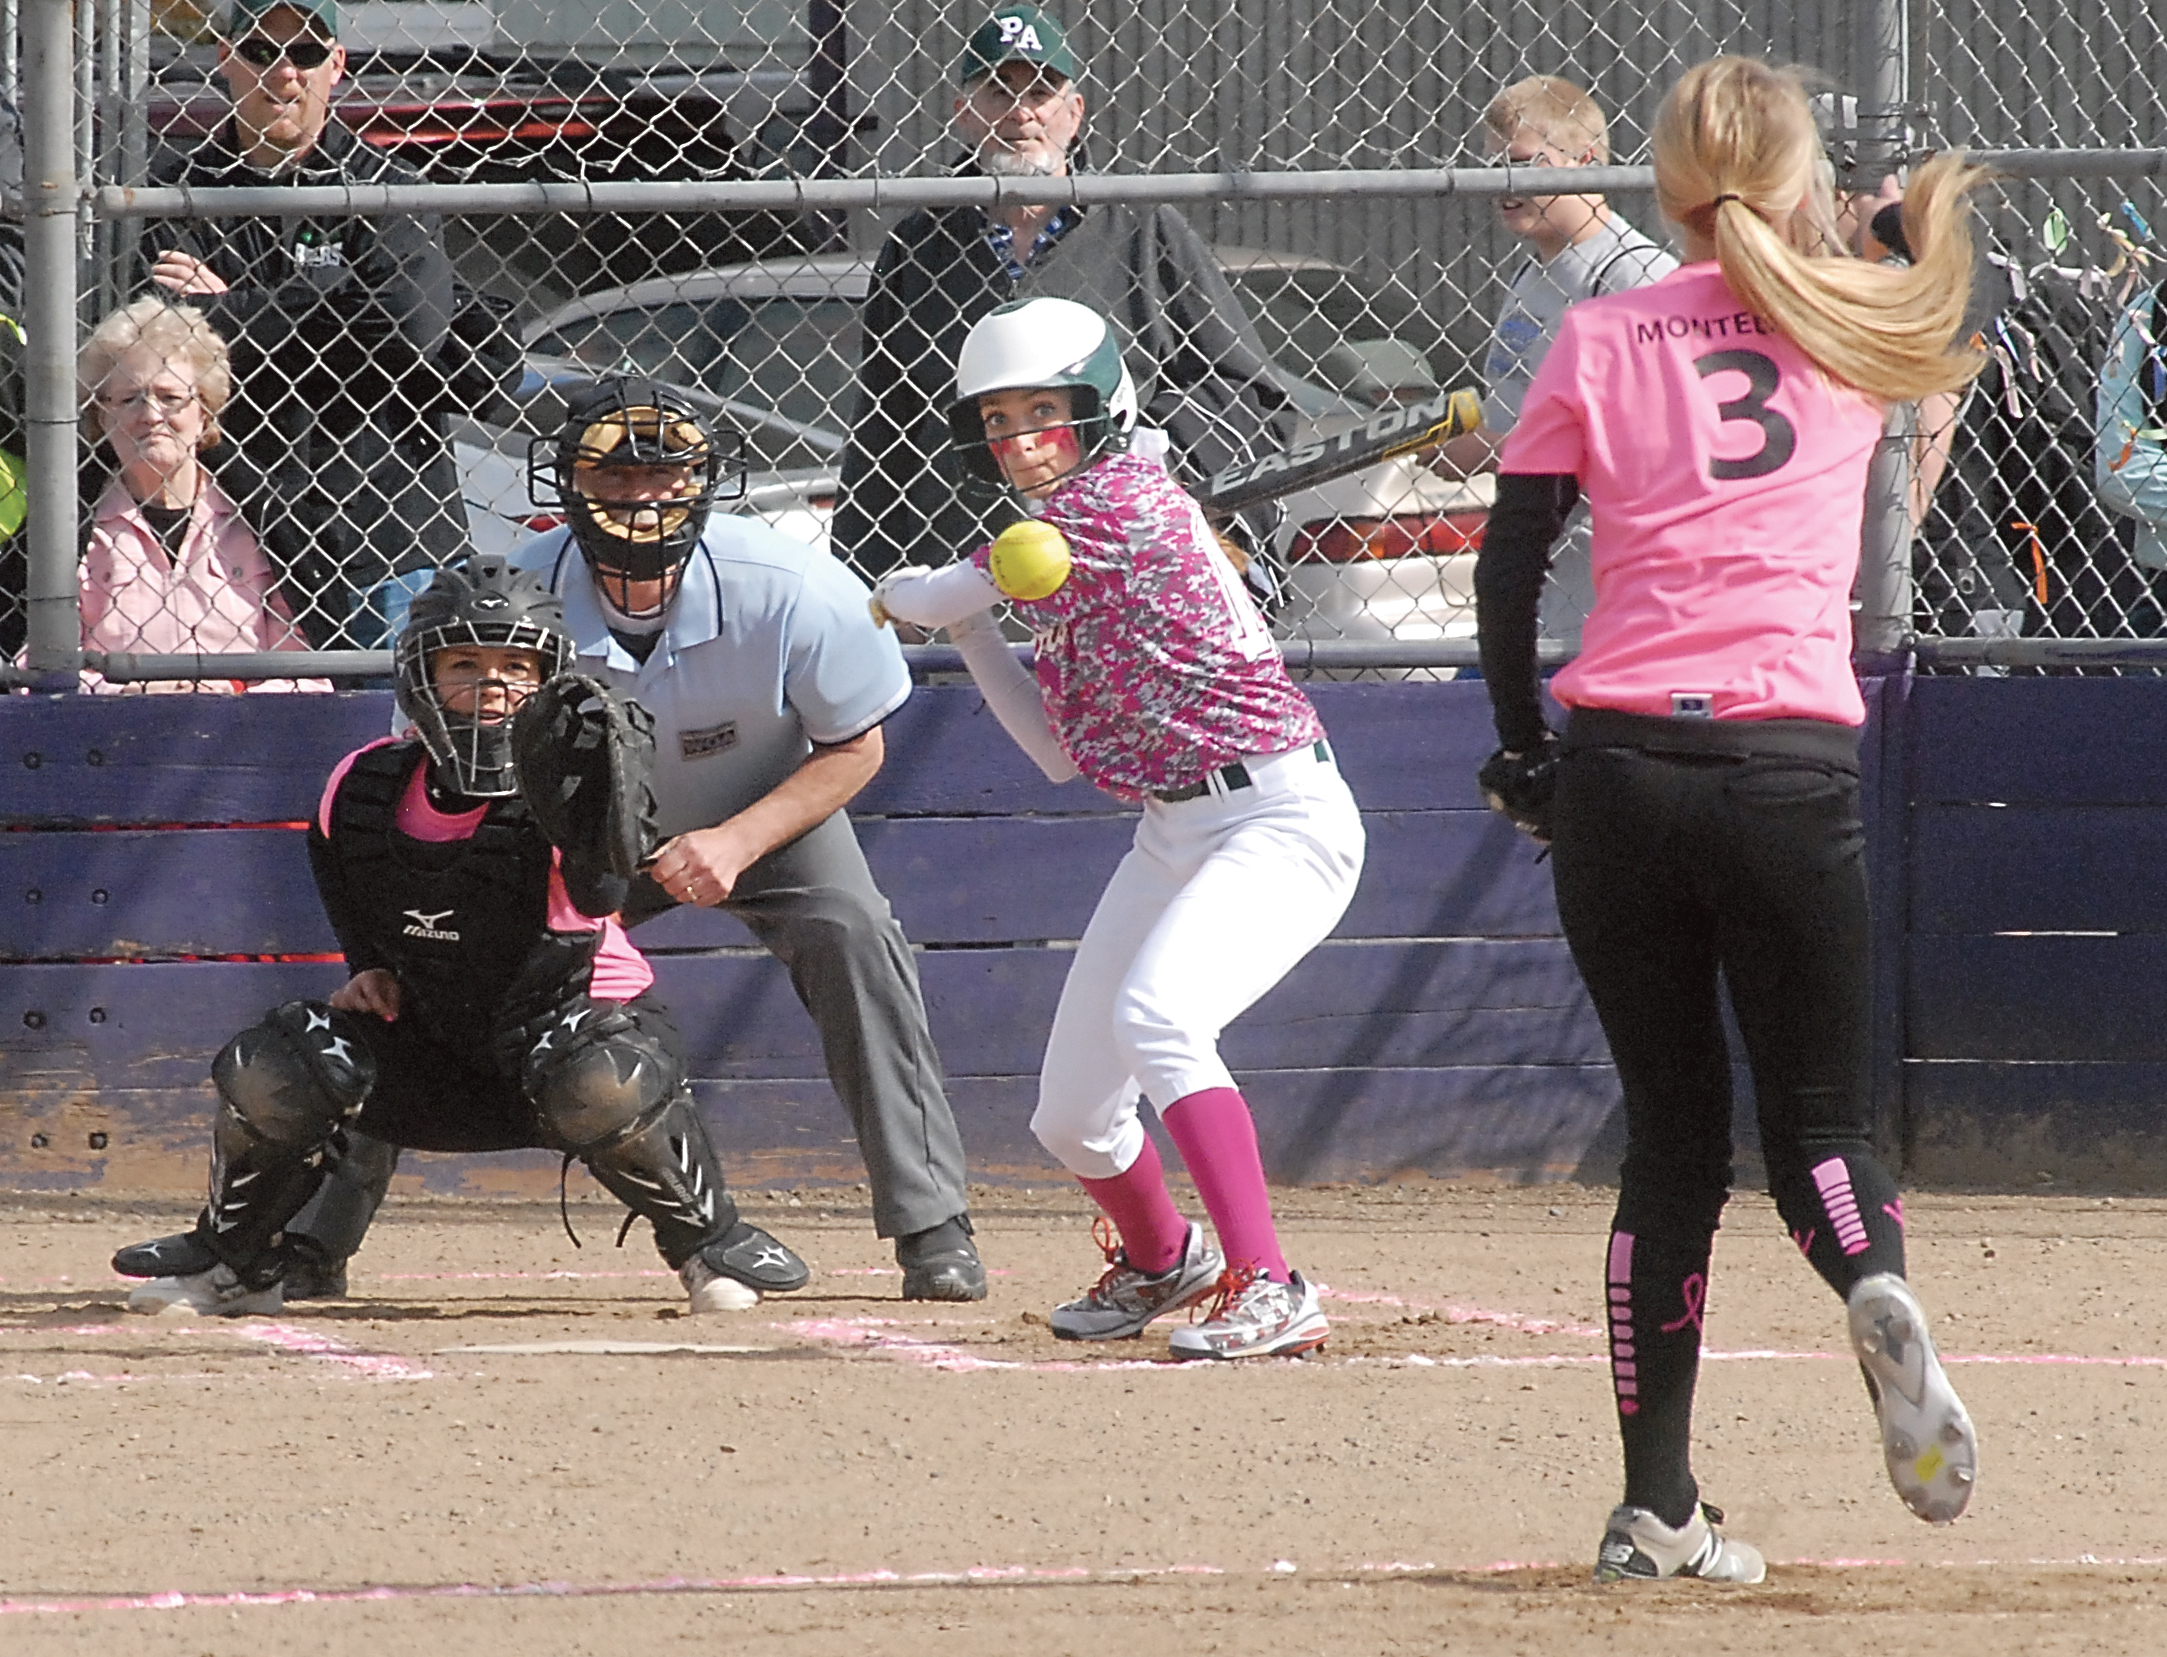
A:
<point x="770" y="351"/>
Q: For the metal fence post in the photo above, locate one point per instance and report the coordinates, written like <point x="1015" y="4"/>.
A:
<point x="1882" y="625"/>
<point x="51" y="202"/>
<point x="1882" y="75"/>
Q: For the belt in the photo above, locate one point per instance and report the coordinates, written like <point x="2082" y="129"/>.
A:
<point x="1817" y="741"/>
<point x="1227" y="779"/>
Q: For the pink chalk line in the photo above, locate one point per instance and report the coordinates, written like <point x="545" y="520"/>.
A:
<point x="978" y="1575"/>
<point x="377" y="1366"/>
<point x="975" y="1576"/>
<point x="874" y="1335"/>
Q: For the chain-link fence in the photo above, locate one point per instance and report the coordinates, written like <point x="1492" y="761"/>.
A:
<point x="781" y="209"/>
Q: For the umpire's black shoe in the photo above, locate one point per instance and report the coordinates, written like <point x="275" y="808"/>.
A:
<point x="756" y="1260"/>
<point x="941" y="1263"/>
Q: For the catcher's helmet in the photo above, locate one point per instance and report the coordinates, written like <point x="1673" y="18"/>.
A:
<point x="482" y="601"/>
<point x="621" y="424"/>
<point x="1029" y="343"/>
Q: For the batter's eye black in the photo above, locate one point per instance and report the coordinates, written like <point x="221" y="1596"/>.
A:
<point x="305" y="53"/>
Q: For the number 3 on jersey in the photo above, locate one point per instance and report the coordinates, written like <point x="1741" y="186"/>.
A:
<point x="1779" y="438"/>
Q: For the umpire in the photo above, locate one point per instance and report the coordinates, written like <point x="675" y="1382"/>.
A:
<point x="768" y="684"/>
<point x="337" y="327"/>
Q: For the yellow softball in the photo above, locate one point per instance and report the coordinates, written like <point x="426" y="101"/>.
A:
<point x="1029" y="560"/>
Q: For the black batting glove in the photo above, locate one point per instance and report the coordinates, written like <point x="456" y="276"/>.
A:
<point x="1523" y="786"/>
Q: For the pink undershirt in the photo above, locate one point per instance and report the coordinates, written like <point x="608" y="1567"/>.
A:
<point x="620" y="970"/>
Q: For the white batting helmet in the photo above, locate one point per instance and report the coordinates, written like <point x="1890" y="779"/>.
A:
<point x="1029" y="343"/>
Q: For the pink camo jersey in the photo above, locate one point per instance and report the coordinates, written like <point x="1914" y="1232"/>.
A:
<point x="1726" y="478"/>
<point x="620" y="970"/>
<point x="1155" y="665"/>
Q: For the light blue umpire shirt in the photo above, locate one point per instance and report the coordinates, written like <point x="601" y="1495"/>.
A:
<point x="769" y="649"/>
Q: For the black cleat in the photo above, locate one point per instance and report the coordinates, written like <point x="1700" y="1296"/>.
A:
<point x="184" y="1254"/>
<point x="309" y="1276"/>
<point x="941" y="1263"/>
<point x="756" y="1260"/>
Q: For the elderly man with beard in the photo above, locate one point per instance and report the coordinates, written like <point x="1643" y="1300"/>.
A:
<point x="1202" y="376"/>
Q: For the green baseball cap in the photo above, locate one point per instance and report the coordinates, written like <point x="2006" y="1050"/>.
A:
<point x="243" y="15"/>
<point x="1017" y="34"/>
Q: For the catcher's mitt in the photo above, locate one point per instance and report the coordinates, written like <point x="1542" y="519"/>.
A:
<point x="1523" y="786"/>
<point x="585" y="758"/>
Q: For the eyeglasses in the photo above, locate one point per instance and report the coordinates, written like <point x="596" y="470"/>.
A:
<point x="306" y="52"/>
<point x="167" y="403"/>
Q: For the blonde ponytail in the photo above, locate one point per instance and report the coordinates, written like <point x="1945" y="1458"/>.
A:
<point x="1734" y="142"/>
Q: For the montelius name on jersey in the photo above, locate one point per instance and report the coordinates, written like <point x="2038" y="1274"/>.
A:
<point x="1413" y="418"/>
<point x="430" y="926"/>
<point x="1736" y="325"/>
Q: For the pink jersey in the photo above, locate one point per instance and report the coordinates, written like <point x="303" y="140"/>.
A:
<point x="620" y="970"/>
<point x="1155" y="665"/>
<point x="1726" y="477"/>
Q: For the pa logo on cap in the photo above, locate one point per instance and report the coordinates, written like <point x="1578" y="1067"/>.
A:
<point x="1019" y="34"/>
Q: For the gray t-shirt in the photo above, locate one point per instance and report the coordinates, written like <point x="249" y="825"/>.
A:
<point x="1617" y="257"/>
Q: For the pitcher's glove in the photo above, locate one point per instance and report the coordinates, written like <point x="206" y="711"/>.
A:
<point x="1522" y="786"/>
<point x="585" y="757"/>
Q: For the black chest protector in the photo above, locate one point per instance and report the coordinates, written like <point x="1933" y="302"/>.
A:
<point x="464" y="924"/>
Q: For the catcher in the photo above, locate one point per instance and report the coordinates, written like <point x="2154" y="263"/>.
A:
<point x="473" y="878"/>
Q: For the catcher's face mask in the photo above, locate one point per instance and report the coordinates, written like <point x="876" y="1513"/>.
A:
<point x="635" y="478"/>
<point x="485" y="682"/>
<point x="476" y="643"/>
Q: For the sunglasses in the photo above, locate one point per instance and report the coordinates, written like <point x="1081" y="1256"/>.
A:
<point x="307" y="52"/>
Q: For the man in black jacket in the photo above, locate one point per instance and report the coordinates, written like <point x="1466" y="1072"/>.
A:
<point x="336" y="326"/>
<point x="1202" y="376"/>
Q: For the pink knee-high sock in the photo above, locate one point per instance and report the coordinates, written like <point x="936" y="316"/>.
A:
<point x="1217" y="1138"/>
<point x="1136" y="1200"/>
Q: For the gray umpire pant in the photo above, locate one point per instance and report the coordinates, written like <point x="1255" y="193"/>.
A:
<point x="814" y="906"/>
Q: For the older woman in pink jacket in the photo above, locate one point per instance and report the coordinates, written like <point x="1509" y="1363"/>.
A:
<point x="169" y="564"/>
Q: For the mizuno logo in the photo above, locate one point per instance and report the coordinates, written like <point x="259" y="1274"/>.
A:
<point x="430" y="926"/>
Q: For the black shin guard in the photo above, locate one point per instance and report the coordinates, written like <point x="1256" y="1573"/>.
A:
<point x="610" y="1089"/>
<point x="663" y="1168"/>
<point x="1656" y="1288"/>
<point x="285" y="1087"/>
<point x="357" y="1173"/>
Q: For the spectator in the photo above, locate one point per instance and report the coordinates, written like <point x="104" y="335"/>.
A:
<point x="1581" y="248"/>
<point x="336" y="326"/>
<point x="2130" y="461"/>
<point x="169" y="563"/>
<point x="1202" y="375"/>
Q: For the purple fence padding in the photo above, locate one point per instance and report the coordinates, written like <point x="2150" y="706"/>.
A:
<point x="2035" y="960"/>
<point x="1444" y="1031"/>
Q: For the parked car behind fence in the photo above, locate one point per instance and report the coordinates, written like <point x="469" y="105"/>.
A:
<point x="770" y="350"/>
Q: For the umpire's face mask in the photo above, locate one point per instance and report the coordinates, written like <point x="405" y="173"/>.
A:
<point x="636" y="527"/>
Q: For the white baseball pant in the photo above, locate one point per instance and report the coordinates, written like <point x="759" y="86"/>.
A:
<point x="1213" y="905"/>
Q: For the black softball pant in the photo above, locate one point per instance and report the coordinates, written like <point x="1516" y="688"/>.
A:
<point x="1672" y="869"/>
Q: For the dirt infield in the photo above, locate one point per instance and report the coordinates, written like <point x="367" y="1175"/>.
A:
<point x="446" y="1463"/>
